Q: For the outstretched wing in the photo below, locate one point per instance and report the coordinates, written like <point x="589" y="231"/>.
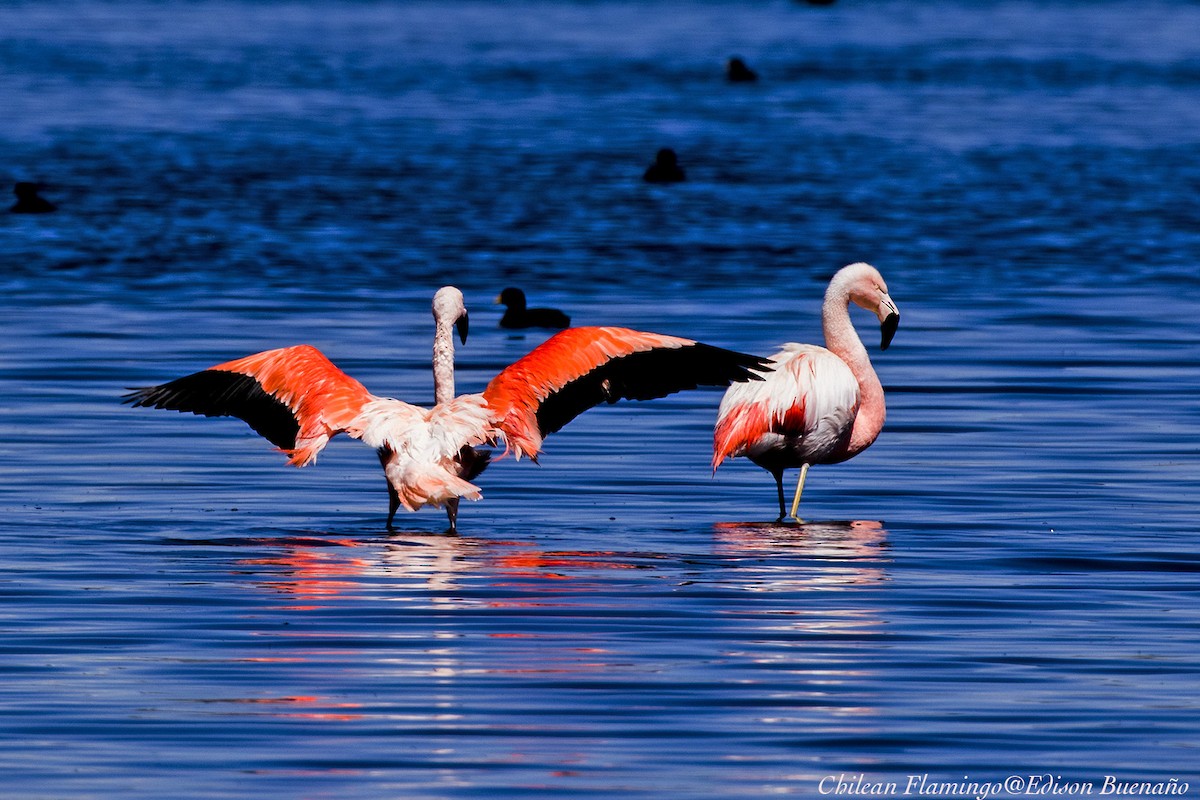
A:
<point x="579" y="368"/>
<point x="294" y="397"/>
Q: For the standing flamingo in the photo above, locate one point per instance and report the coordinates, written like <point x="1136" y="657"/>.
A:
<point x="297" y="399"/>
<point x="819" y="406"/>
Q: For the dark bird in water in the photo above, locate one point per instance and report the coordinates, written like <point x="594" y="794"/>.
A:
<point x="29" y="201"/>
<point x="516" y="315"/>
<point x="737" y="71"/>
<point x="819" y="2"/>
<point x="665" y="168"/>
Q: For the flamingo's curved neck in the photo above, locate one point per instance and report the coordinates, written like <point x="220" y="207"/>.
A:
<point x="842" y="340"/>
<point x="443" y="361"/>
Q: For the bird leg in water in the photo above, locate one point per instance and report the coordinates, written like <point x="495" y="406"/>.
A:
<point x="393" y="505"/>
<point x="799" y="489"/>
<point x="385" y="454"/>
<point x="778" y="473"/>
<point x="452" y="513"/>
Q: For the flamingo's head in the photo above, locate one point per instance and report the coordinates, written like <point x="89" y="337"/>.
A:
<point x="868" y="290"/>
<point x="449" y="308"/>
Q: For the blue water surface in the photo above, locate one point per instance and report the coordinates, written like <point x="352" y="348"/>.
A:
<point x="1005" y="584"/>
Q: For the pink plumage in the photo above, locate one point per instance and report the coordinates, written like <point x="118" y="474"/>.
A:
<point x="298" y="399"/>
<point x="820" y="405"/>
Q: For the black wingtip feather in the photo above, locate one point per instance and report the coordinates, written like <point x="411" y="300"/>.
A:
<point x="216" y="393"/>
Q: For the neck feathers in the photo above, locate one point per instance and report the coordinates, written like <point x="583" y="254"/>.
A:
<point x="843" y="341"/>
<point x="443" y="363"/>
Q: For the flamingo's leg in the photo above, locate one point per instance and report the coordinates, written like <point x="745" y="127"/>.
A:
<point x="778" y="473"/>
<point x="452" y="514"/>
<point x="393" y="496"/>
<point x="799" y="490"/>
<point x="393" y="505"/>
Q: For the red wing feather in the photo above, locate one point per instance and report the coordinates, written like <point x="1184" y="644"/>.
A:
<point x="308" y="383"/>
<point x="579" y="368"/>
<point x="294" y="396"/>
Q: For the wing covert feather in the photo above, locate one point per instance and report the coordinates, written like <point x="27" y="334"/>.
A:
<point x="580" y="368"/>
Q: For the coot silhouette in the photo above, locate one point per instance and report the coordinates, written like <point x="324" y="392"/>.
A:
<point x="29" y="201"/>
<point x="516" y="315"/>
<point x="737" y="71"/>
<point x="665" y="168"/>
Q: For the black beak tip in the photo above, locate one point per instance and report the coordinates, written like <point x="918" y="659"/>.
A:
<point x="463" y="324"/>
<point x="888" y="328"/>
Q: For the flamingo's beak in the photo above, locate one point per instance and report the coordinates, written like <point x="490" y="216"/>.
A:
<point x="889" y="321"/>
<point x="497" y="301"/>
<point x="462" y="323"/>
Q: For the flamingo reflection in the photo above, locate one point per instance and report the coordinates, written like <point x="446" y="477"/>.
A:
<point x="816" y="642"/>
<point x="311" y="569"/>
<point x="314" y="572"/>
<point x="857" y="539"/>
<point x="812" y="556"/>
<point x="308" y="707"/>
<point x="806" y="638"/>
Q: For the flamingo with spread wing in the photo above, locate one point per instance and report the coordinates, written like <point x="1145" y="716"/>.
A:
<point x="298" y="399"/>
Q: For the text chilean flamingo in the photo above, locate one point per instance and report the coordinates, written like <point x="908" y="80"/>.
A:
<point x="819" y="406"/>
<point x="297" y="399"/>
